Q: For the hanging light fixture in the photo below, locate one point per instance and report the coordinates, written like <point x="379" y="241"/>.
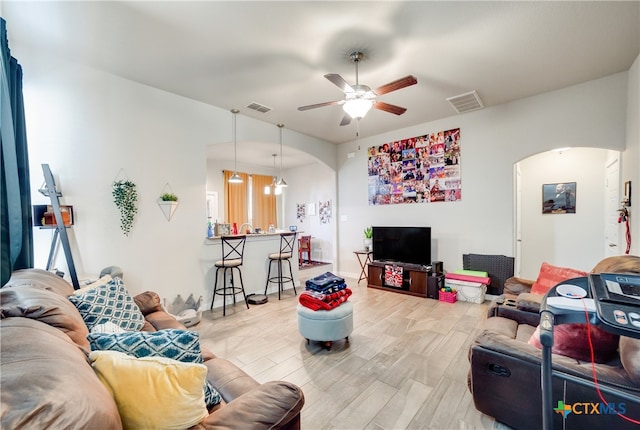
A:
<point x="267" y="188"/>
<point x="358" y="102"/>
<point x="281" y="182"/>
<point x="235" y="178"/>
<point x="357" y="107"/>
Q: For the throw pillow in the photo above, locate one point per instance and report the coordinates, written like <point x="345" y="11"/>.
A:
<point x="109" y="302"/>
<point x="571" y="340"/>
<point x="107" y="327"/>
<point x="102" y="281"/>
<point x="181" y="345"/>
<point x="550" y="276"/>
<point x="153" y="392"/>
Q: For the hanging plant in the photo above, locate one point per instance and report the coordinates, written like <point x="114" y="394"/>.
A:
<point x="125" y="196"/>
<point x="169" y="197"/>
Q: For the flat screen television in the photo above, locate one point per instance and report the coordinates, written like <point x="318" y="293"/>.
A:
<point x="402" y="244"/>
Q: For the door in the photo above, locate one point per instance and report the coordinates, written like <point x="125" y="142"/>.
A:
<point x="611" y="206"/>
<point x="518" y="219"/>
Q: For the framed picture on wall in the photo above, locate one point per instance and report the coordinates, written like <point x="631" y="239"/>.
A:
<point x="559" y="198"/>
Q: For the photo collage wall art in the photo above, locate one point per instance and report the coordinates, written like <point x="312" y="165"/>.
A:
<point x="423" y="169"/>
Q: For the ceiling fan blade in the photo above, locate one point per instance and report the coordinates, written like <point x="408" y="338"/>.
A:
<point x="317" y="105"/>
<point x="396" y="85"/>
<point x="346" y="119"/>
<point x="389" y="108"/>
<point x="340" y="82"/>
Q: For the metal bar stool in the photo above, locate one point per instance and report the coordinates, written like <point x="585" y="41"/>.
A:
<point x="287" y="242"/>
<point x="232" y="258"/>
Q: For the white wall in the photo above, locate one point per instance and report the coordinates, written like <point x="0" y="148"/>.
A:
<point x="569" y="240"/>
<point x="631" y="157"/>
<point x="88" y="125"/>
<point x="313" y="183"/>
<point x="592" y="114"/>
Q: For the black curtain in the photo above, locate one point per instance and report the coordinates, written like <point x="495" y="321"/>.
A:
<point x="15" y="195"/>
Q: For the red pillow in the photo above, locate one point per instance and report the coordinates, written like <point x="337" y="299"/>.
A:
<point x="571" y="340"/>
<point x="550" y="276"/>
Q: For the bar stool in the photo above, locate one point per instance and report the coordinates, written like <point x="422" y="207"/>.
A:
<point x="287" y="242"/>
<point x="232" y="258"/>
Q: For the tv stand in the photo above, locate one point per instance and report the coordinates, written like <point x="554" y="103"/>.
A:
<point x="417" y="279"/>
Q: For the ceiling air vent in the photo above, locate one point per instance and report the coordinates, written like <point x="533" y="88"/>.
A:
<point x="258" y="107"/>
<point x="466" y="102"/>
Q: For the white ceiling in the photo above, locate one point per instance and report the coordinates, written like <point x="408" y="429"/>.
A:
<point x="230" y="54"/>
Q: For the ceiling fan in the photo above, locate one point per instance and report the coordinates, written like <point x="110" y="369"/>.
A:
<point x="360" y="98"/>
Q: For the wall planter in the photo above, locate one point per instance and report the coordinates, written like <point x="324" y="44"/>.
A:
<point x="168" y="208"/>
<point x="168" y="202"/>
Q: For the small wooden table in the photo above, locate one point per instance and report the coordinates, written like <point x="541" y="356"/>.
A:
<point x="363" y="264"/>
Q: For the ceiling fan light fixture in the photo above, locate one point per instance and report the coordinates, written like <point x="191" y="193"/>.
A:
<point x="359" y="99"/>
<point x="357" y="108"/>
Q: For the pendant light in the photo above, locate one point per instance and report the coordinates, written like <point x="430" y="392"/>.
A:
<point x="281" y="182"/>
<point x="235" y="178"/>
<point x="267" y="188"/>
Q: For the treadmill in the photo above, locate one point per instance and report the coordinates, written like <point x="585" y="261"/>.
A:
<point x="612" y="301"/>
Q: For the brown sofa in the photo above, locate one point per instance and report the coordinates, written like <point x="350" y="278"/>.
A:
<point x="504" y="377"/>
<point x="47" y="381"/>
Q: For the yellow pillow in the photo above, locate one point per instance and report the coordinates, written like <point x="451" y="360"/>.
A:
<point x="153" y="392"/>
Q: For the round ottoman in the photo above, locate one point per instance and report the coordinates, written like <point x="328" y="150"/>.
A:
<point x="326" y="326"/>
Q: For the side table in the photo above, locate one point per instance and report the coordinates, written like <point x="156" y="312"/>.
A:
<point x="366" y="255"/>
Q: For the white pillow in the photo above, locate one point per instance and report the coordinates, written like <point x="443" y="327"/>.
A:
<point x="102" y="281"/>
<point x="107" y="327"/>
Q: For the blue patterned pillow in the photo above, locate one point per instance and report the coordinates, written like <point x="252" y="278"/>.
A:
<point x="108" y="302"/>
<point x="180" y="345"/>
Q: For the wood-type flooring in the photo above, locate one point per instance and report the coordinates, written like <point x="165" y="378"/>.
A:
<point x="404" y="367"/>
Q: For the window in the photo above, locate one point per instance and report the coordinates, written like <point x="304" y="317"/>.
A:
<point x="247" y="203"/>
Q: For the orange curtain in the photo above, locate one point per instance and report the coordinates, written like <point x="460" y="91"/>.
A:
<point x="264" y="205"/>
<point x="235" y="199"/>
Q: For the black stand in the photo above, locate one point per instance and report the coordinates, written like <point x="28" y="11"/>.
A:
<point x="546" y="339"/>
<point x="60" y="233"/>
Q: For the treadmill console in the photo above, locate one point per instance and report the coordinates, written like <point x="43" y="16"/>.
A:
<point x="617" y="299"/>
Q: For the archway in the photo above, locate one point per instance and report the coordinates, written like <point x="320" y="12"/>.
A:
<point x="566" y="239"/>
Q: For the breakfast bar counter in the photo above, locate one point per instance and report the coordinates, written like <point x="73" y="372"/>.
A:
<point x="254" y="267"/>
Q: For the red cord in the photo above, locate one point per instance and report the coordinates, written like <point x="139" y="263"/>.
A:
<point x="593" y="366"/>
<point x="628" y="235"/>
